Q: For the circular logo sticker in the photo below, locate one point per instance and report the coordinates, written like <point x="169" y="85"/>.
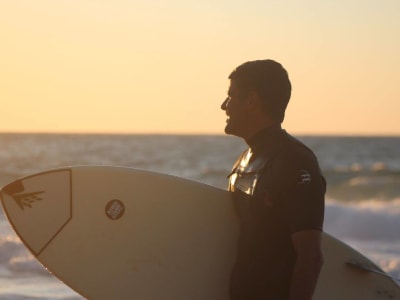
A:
<point x="115" y="209"/>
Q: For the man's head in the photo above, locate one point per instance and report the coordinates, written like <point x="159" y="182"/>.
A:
<point x="259" y="89"/>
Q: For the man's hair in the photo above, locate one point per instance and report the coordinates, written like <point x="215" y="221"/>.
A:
<point x="269" y="80"/>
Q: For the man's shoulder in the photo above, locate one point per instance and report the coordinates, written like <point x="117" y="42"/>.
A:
<point x="296" y="163"/>
<point x="294" y="149"/>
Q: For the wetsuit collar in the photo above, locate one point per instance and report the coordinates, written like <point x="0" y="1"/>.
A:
<point x="264" y="137"/>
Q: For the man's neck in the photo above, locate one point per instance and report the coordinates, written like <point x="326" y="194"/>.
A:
<point x="265" y="123"/>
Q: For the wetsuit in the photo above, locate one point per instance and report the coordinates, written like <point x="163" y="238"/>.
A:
<point x="278" y="190"/>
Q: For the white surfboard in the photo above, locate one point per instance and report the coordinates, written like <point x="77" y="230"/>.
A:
<point x="121" y="233"/>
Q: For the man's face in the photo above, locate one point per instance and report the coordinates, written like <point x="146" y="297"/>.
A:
<point x="236" y="108"/>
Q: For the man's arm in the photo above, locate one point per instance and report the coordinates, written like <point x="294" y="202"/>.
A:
<point x="309" y="260"/>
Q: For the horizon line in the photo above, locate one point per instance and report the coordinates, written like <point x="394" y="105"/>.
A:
<point x="195" y="133"/>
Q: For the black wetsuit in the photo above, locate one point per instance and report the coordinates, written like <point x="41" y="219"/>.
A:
<point x="278" y="189"/>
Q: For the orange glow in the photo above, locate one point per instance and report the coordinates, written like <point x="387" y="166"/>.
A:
<point x="161" y="67"/>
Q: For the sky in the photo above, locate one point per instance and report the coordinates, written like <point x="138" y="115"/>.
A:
<point x="128" y="66"/>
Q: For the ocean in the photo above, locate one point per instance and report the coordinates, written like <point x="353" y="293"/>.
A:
<point x="362" y="201"/>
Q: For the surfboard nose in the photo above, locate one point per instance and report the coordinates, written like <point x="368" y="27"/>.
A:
<point x="27" y="200"/>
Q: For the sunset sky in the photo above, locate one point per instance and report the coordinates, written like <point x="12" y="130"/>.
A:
<point x="126" y="66"/>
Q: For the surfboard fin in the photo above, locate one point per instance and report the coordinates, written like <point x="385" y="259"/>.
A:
<point x="367" y="267"/>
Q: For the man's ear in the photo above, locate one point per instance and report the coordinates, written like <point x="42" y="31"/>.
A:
<point x="254" y="101"/>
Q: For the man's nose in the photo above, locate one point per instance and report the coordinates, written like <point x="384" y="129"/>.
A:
<point x="225" y="104"/>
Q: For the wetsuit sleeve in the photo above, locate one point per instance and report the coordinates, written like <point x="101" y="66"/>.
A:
<point x="302" y="191"/>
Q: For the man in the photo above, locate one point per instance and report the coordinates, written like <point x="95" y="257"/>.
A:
<point x="278" y="191"/>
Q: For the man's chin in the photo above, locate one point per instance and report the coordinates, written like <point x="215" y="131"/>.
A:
<point x="229" y="130"/>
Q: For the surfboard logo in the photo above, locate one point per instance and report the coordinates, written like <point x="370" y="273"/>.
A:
<point x="115" y="209"/>
<point x="23" y="200"/>
<point x="26" y="200"/>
